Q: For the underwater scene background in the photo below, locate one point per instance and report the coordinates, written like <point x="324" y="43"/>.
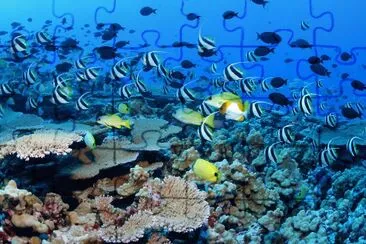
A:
<point x="181" y="121"/>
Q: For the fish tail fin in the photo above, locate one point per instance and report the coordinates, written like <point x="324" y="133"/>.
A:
<point x="246" y="106"/>
<point x="154" y="11"/>
<point x="210" y="120"/>
<point x="219" y="176"/>
<point x="127" y="124"/>
<point x="258" y="36"/>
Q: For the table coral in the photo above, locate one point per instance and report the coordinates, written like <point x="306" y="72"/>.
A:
<point x="107" y="155"/>
<point x="147" y="133"/>
<point x="40" y="144"/>
<point x="182" y="208"/>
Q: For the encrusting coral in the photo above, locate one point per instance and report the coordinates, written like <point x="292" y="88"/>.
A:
<point x="27" y="211"/>
<point x="137" y="178"/>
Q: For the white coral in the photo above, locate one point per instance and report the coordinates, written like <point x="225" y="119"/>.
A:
<point x="40" y="143"/>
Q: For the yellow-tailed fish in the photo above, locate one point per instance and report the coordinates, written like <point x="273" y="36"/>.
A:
<point x="89" y="140"/>
<point x="235" y="110"/>
<point x="123" y="108"/>
<point x="218" y="100"/>
<point x="113" y="120"/>
<point x="206" y="171"/>
<point x="189" y="116"/>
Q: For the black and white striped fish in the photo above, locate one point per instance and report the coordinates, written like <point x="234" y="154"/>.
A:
<point x="231" y="73"/>
<point x="256" y="110"/>
<point x="325" y="158"/>
<point x="81" y="103"/>
<point x="205" y="43"/>
<point x="352" y="147"/>
<point x="31" y="103"/>
<point x="205" y="109"/>
<point x="247" y="86"/>
<point x="184" y="95"/>
<point x="118" y="71"/>
<point x="251" y="57"/>
<point x="314" y="145"/>
<point x="2" y="111"/>
<point x="91" y="73"/>
<point x="295" y="95"/>
<point x="319" y="83"/>
<point x="18" y="44"/>
<point x="359" y="107"/>
<point x="295" y="111"/>
<point x="141" y="87"/>
<point x="348" y="105"/>
<point x="80" y="63"/>
<point x="124" y="92"/>
<point x="304" y="25"/>
<point x="29" y="76"/>
<point x="270" y="153"/>
<point x="42" y="38"/>
<point x="217" y="82"/>
<point x="305" y="104"/>
<point x="213" y="68"/>
<point x="264" y="85"/>
<point x="284" y="134"/>
<point x="331" y="120"/>
<point x="150" y="59"/>
<point x="205" y="132"/>
<point x="60" y="96"/>
<point x="323" y="107"/>
<point x="59" y="80"/>
<point x="6" y="90"/>
<point x="332" y="151"/>
<point x="304" y="91"/>
<point x="80" y="76"/>
<point x="164" y="72"/>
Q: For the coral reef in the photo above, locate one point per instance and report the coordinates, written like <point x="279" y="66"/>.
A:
<point x="147" y="134"/>
<point x="40" y="144"/>
<point x="122" y="197"/>
<point x="107" y="155"/>
<point x="174" y="204"/>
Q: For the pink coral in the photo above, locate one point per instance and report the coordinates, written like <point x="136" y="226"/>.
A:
<point x="54" y="209"/>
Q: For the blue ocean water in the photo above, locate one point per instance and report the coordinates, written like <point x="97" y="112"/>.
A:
<point x="283" y="161"/>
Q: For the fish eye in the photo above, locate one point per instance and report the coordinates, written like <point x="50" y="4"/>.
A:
<point x="216" y="174"/>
